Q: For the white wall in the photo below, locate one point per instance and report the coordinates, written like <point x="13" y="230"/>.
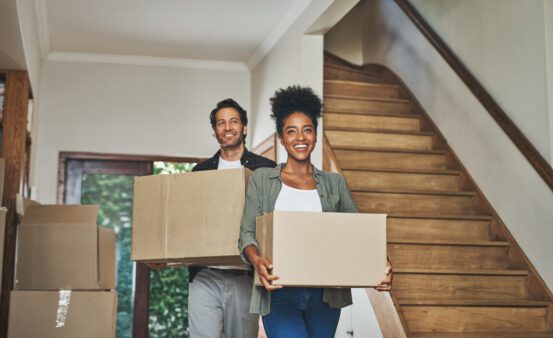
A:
<point x="297" y="58"/>
<point x="513" y="69"/>
<point x="127" y="110"/>
<point x="548" y="18"/>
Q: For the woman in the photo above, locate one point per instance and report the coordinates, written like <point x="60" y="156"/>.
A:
<point x="295" y="186"/>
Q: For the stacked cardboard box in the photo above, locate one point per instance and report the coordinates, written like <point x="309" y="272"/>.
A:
<point x="324" y="249"/>
<point x="190" y="218"/>
<point x="65" y="275"/>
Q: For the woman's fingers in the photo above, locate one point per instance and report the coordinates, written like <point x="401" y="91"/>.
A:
<point x="266" y="278"/>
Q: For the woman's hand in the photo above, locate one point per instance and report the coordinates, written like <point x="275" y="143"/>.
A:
<point x="386" y="283"/>
<point x="263" y="267"/>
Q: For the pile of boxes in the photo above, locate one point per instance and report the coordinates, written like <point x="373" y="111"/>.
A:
<point x="194" y="219"/>
<point x="65" y="275"/>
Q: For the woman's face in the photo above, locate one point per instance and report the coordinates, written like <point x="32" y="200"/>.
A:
<point x="298" y="136"/>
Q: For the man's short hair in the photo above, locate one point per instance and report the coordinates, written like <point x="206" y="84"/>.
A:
<point x="229" y="103"/>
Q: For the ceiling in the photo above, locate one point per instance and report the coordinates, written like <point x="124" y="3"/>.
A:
<point x="234" y="31"/>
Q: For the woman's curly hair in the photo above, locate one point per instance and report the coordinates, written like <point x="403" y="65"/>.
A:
<point x="295" y="99"/>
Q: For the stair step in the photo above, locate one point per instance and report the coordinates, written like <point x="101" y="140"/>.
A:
<point x="472" y="319"/>
<point x="548" y="334"/>
<point x="474" y="302"/>
<point x="338" y="72"/>
<point x="439" y="229"/>
<point x="371" y="158"/>
<point x="451" y="243"/>
<point x="456" y="284"/>
<point x="379" y="139"/>
<point x="355" y="105"/>
<point x="370" y="122"/>
<point x="360" y="89"/>
<point x="452" y="256"/>
<point x="415" y="181"/>
<point x="430" y="203"/>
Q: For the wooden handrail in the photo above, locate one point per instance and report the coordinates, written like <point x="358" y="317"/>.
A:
<point x="513" y="132"/>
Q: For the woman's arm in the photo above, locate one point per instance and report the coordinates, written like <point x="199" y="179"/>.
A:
<point x="247" y="243"/>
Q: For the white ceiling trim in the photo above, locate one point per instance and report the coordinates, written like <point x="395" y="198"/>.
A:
<point x="272" y="38"/>
<point x="136" y="60"/>
<point x="43" y="29"/>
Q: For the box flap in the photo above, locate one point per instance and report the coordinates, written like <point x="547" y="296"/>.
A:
<point x="60" y="214"/>
<point x="106" y="258"/>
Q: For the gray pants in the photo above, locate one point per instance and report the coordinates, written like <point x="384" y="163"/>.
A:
<point x="218" y="305"/>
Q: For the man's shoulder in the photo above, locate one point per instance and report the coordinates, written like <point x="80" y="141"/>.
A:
<point x="254" y="161"/>
<point x="206" y="165"/>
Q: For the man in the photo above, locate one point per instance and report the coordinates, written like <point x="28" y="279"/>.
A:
<point x="219" y="296"/>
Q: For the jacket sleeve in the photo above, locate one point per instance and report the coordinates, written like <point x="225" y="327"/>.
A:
<point x="347" y="204"/>
<point x="252" y="209"/>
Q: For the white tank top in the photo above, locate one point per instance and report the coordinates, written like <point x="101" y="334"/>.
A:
<point x="292" y="199"/>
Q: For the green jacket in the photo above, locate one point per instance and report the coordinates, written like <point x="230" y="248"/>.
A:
<point x="263" y="189"/>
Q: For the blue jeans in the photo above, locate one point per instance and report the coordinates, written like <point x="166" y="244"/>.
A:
<point x="300" y="313"/>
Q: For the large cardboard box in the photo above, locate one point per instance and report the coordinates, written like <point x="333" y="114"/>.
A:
<point x="62" y="314"/>
<point x="191" y="218"/>
<point x="318" y="249"/>
<point x="62" y="247"/>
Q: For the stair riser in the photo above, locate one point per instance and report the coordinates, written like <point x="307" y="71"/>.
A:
<point x="331" y="73"/>
<point x="408" y="256"/>
<point x="398" y="181"/>
<point x="379" y="140"/>
<point x="437" y="229"/>
<point x="381" y="160"/>
<point x="459" y="287"/>
<point x="387" y="92"/>
<point x="367" y="106"/>
<point x="390" y="203"/>
<point x="367" y="122"/>
<point x="474" y="319"/>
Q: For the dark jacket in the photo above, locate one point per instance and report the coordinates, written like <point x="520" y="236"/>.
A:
<point x="249" y="160"/>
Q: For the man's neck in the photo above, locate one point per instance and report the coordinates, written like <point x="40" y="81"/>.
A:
<point x="233" y="154"/>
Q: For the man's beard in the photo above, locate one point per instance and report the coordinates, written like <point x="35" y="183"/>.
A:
<point x="239" y="141"/>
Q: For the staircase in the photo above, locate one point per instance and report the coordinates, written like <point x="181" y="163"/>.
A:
<point x="457" y="270"/>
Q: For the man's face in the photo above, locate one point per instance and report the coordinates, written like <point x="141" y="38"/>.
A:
<point x="229" y="129"/>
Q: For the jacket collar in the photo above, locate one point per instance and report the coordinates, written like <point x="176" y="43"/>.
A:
<point x="243" y="159"/>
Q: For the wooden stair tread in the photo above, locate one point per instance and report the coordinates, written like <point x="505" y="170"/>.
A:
<point x="452" y="243"/>
<point x="362" y="83"/>
<point x="473" y="302"/>
<point x="349" y="69"/>
<point x="357" y="98"/>
<point x="445" y="217"/>
<point x="472" y="272"/>
<point x="410" y="171"/>
<point x="380" y="131"/>
<point x="403" y="116"/>
<point x="548" y="334"/>
<point x="416" y="192"/>
<point x="392" y="150"/>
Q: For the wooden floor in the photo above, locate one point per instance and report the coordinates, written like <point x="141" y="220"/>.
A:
<point x="457" y="271"/>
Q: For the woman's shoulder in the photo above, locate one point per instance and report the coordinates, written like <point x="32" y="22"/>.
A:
<point x="263" y="173"/>
<point x="330" y="176"/>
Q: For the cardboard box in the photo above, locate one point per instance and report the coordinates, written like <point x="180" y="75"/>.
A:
<point x="22" y="204"/>
<point x="318" y="249"/>
<point x="191" y="218"/>
<point x="3" y="212"/>
<point x="61" y="247"/>
<point x="62" y="314"/>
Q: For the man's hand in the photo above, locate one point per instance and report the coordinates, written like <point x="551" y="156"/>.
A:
<point x="263" y="267"/>
<point x="386" y="283"/>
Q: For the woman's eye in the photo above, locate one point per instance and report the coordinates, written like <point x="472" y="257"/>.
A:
<point x="291" y="132"/>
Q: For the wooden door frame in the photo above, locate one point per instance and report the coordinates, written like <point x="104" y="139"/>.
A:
<point x="142" y="273"/>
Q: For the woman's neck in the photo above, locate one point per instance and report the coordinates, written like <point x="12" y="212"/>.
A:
<point x="298" y="167"/>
